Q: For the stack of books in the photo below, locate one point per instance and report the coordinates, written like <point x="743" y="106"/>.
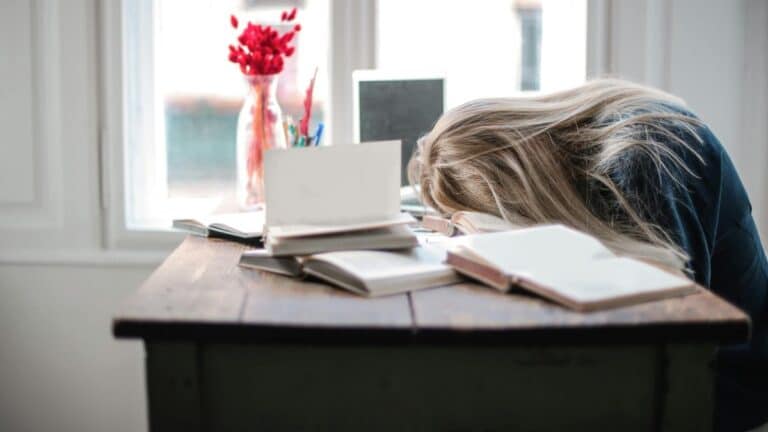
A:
<point x="339" y="221"/>
<point x="370" y="273"/>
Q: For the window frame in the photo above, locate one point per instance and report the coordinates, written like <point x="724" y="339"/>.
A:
<point x="352" y="46"/>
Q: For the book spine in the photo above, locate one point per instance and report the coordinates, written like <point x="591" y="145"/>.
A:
<point x="483" y="273"/>
<point x="441" y="225"/>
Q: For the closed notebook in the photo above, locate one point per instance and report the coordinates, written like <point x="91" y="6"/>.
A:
<point x="247" y="227"/>
<point x="387" y="238"/>
<point x="466" y="222"/>
<point x="368" y="273"/>
<point x="564" y="266"/>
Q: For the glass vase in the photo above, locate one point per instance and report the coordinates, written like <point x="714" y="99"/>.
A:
<point x="259" y="128"/>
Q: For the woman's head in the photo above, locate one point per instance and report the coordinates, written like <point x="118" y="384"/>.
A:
<point x="553" y="159"/>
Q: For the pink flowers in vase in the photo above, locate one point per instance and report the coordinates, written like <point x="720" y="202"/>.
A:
<point x="261" y="50"/>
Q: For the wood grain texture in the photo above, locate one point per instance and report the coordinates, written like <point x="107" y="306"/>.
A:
<point x="197" y="282"/>
<point x="280" y="300"/>
<point x="469" y="307"/>
<point x="200" y="292"/>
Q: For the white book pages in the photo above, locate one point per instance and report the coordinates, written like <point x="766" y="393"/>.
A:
<point x="536" y="248"/>
<point x="605" y="280"/>
<point x="245" y="224"/>
<point x="333" y="185"/>
<point x="289" y="231"/>
<point x="390" y="237"/>
<point x="373" y="265"/>
<point x="384" y="272"/>
<point x="242" y="223"/>
<point x="570" y="267"/>
<point x="475" y="222"/>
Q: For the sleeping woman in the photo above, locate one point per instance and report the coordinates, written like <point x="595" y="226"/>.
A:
<point x="631" y="166"/>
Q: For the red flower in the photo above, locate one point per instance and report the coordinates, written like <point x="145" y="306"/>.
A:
<point x="262" y="49"/>
<point x="233" y="21"/>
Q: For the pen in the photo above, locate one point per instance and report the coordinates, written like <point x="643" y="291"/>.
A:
<point x="301" y="141"/>
<point x="319" y="133"/>
<point x="292" y="129"/>
<point x="286" y="121"/>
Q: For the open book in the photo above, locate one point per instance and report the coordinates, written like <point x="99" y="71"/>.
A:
<point x="341" y="197"/>
<point x="247" y="227"/>
<point x="562" y="265"/>
<point x="466" y="222"/>
<point x="369" y="273"/>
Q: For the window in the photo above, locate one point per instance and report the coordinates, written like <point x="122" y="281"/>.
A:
<point x="181" y="97"/>
<point x="530" y="46"/>
<point x="185" y="105"/>
<point x="486" y="48"/>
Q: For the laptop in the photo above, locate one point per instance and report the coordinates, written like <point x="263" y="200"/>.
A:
<point x="390" y="106"/>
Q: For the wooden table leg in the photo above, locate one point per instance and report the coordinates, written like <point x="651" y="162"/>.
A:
<point x="173" y="386"/>
<point x="688" y="397"/>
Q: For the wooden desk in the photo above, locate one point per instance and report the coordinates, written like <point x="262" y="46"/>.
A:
<point x="237" y="349"/>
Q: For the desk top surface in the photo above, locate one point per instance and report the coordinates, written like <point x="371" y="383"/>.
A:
<point x="199" y="292"/>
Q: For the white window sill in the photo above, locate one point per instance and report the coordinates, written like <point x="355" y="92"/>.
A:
<point x="82" y="258"/>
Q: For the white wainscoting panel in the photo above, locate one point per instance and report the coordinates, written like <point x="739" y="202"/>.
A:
<point x="17" y="152"/>
<point x="31" y="143"/>
<point x="51" y="153"/>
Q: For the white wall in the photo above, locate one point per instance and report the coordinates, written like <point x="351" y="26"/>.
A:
<point x="713" y="54"/>
<point x="718" y="63"/>
<point x="60" y="369"/>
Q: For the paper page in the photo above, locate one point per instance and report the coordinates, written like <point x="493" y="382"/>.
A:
<point x="245" y="223"/>
<point x="605" y="279"/>
<point x="475" y="222"/>
<point x="541" y="247"/>
<point x="287" y="231"/>
<point x="372" y="265"/>
<point x="260" y="259"/>
<point x="338" y="184"/>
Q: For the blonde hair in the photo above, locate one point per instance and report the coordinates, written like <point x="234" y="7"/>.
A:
<point x="554" y="158"/>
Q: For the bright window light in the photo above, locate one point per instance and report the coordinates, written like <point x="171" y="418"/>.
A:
<point x="486" y="48"/>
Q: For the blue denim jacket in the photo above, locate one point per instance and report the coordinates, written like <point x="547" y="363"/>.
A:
<point x="709" y="215"/>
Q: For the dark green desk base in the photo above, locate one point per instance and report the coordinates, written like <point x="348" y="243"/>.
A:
<point x="249" y="387"/>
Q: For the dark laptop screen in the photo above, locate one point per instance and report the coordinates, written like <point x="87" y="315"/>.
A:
<point x="399" y="109"/>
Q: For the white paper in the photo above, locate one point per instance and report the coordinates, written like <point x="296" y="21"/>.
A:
<point x="332" y="185"/>
<point x="246" y="223"/>
<point x="541" y="247"/>
<point x="572" y="264"/>
<point x="606" y="279"/>
<point x="287" y="231"/>
<point x="376" y="265"/>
